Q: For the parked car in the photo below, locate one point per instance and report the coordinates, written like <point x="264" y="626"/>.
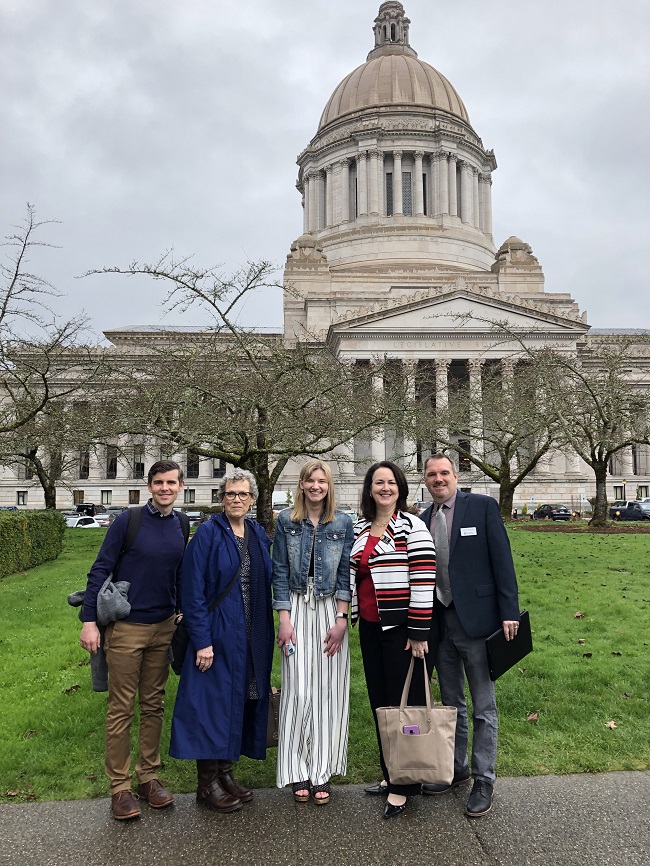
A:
<point x="554" y="512"/>
<point x="90" y="508"/>
<point x="8" y="508"/>
<point x="630" y="511"/>
<point x="104" y="519"/>
<point x="348" y="509"/>
<point x="116" y="509"/>
<point x="195" y="517"/>
<point x="83" y="521"/>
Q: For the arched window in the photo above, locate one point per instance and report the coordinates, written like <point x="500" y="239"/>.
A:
<point x="392" y="33"/>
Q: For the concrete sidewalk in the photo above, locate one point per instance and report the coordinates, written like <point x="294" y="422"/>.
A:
<point x="581" y="819"/>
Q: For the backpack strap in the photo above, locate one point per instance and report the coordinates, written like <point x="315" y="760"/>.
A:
<point x="185" y="525"/>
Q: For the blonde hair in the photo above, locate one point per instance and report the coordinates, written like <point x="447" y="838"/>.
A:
<point x="299" y="510"/>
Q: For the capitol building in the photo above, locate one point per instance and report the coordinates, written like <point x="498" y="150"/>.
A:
<point x="397" y="249"/>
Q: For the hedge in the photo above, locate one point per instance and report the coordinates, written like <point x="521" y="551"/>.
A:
<point x="28" y="538"/>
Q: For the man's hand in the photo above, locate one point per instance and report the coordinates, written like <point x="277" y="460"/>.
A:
<point x="510" y="628"/>
<point x="90" y="639"/>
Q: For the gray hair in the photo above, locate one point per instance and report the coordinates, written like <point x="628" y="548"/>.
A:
<point x="238" y="475"/>
<point x="441" y="456"/>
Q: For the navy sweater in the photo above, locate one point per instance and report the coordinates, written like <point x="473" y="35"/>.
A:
<point x="151" y="567"/>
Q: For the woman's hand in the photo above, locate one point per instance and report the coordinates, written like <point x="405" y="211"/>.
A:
<point x="285" y="632"/>
<point x="204" y="658"/>
<point x="334" y="637"/>
<point x="419" y="648"/>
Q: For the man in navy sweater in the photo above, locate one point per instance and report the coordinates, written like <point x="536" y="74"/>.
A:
<point x="476" y="594"/>
<point x="137" y="646"/>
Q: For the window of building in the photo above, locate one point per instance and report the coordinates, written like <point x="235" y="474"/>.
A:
<point x="192" y="466"/>
<point x="78" y="497"/>
<point x="218" y="468"/>
<point x="134" y="497"/>
<point x="464" y="463"/>
<point x="407" y="194"/>
<point x="84" y="465"/>
<point x="138" y="462"/>
<point x="111" y="462"/>
<point x="107" y="497"/>
<point x="642" y="491"/>
<point x="619" y="492"/>
<point x="215" y="496"/>
<point x="189" y="496"/>
<point x="21" y="497"/>
<point x="425" y="201"/>
<point x="389" y="193"/>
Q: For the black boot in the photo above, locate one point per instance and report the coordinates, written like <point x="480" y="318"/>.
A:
<point x="210" y="792"/>
<point x="228" y="783"/>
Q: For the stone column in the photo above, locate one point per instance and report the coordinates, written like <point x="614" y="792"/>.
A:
<point x="410" y="446"/>
<point x="381" y="183"/>
<point x="476" y="407"/>
<point x="453" y="188"/>
<point x="345" y="190"/>
<point x="397" y="183"/>
<point x="378" y="445"/>
<point x="487" y="205"/>
<point x="305" y="205"/>
<point x="442" y="389"/>
<point x="627" y="468"/>
<point x="362" y="181"/>
<point x="313" y="201"/>
<point x="434" y="186"/>
<point x="475" y="205"/>
<point x="419" y="198"/>
<point x="466" y="194"/>
<point x="329" y="195"/>
<point x="443" y="184"/>
<point x="373" y="182"/>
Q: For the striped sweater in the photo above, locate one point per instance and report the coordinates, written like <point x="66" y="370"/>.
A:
<point x="403" y="570"/>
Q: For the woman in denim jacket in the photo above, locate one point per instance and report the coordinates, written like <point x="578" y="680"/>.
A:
<point x="311" y="592"/>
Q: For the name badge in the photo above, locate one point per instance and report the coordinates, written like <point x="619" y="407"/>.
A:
<point x="468" y="530"/>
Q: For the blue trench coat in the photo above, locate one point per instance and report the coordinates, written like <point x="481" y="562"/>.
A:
<point x="208" y="721"/>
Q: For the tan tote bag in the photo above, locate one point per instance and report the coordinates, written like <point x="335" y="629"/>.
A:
<point x="418" y="742"/>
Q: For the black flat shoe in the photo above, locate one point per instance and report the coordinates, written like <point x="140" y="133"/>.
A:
<point x="391" y="811"/>
<point x="377" y="790"/>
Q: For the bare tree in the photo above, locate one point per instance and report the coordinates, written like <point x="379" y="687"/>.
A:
<point x="498" y="428"/>
<point x="44" y="363"/>
<point x="234" y="393"/>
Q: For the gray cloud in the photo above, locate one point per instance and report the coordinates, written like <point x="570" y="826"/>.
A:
<point x="148" y="124"/>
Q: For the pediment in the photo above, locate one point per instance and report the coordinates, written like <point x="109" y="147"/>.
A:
<point x="456" y="310"/>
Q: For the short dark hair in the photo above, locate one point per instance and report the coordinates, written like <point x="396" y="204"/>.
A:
<point x="161" y="466"/>
<point x="368" y="506"/>
<point x="440" y="456"/>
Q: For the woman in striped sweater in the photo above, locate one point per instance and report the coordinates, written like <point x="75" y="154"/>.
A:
<point x="392" y="579"/>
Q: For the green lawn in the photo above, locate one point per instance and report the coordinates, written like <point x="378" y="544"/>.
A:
<point x="591" y="697"/>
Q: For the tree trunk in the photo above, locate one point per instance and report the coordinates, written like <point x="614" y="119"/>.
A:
<point x="264" y="495"/>
<point x="506" y="495"/>
<point x="599" y="517"/>
<point x="46" y="479"/>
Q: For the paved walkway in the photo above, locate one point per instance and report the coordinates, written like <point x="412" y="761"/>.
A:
<point x="564" y="820"/>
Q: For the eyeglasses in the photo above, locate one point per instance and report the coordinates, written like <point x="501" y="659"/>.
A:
<point x="230" y="495"/>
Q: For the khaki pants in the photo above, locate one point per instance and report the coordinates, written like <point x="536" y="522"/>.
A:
<point x="138" y="661"/>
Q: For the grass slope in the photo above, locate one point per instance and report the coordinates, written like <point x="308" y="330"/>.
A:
<point x="53" y="724"/>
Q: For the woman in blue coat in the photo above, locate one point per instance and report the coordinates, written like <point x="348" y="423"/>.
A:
<point x="221" y="707"/>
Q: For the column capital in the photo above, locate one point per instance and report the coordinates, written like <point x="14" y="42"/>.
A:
<point x="475" y="365"/>
<point x="329" y="169"/>
<point x="453" y="156"/>
<point x="441" y="364"/>
<point x="375" y="153"/>
<point x="397" y="154"/>
<point x="362" y="155"/>
<point x="345" y="161"/>
<point x="419" y="154"/>
<point x="485" y="178"/>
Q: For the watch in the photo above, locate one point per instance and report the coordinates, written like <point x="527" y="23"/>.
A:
<point x="341" y="615"/>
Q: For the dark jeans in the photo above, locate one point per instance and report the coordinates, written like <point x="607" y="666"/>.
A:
<point x="386" y="664"/>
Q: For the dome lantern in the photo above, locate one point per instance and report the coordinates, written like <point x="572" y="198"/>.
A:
<point x="391" y="27"/>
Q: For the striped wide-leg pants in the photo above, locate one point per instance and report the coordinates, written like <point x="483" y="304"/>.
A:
<point x="315" y="702"/>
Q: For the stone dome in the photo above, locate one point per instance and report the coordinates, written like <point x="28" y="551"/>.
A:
<point x="392" y="76"/>
<point x="390" y="80"/>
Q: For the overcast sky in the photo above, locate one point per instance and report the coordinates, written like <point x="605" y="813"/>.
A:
<point x="147" y="124"/>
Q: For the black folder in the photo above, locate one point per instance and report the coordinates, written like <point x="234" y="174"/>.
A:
<point x="503" y="654"/>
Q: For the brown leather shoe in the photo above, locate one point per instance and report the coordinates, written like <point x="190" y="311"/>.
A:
<point x="124" y="806"/>
<point x="216" y="798"/>
<point x="230" y="785"/>
<point x="155" y="794"/>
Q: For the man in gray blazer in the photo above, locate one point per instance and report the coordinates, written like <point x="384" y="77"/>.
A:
<point x="476" y="593"/>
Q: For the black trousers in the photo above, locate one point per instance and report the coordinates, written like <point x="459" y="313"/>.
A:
<point x="386" y="664"/>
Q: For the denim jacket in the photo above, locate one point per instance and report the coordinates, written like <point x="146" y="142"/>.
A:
<point x="292" y="546"/>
